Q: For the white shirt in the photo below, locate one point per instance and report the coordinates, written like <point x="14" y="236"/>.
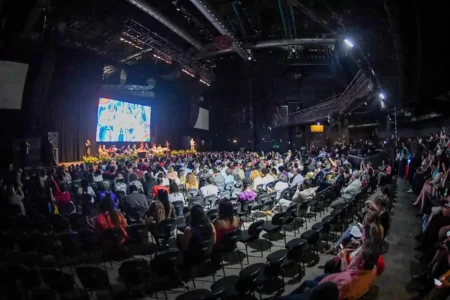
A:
<point x="279" y="187"/>
<point x="298" y="179"/>
<point x="267" y="179"/>
<point x="176" y="197"/>
<point x="209" y="190"/>
<point x="165" y="181"/>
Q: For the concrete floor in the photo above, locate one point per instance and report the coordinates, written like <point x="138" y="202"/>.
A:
<point x="394" y="283"/>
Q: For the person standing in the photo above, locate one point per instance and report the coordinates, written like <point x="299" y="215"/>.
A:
<point x="88" y="147"/>
<point x="192" y="144"/>
<point x="24" y="153"/>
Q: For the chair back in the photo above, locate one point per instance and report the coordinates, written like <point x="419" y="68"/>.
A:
<point x="113" y="236"/>
<point x="191" y="193"/>
<point x="212" y="214"/>
<point x="138" y="234"/>
<point x="178" y="205"/>
<point x="166" y="227"/>
<point x="270" y="185"/>
<point x="230" y="240"/>
<point x="77" y="222"/>
<point x="209" y="200"/>
<point x="247" y="205"/>
<point x="285" y="194"/>
<point x="134" y="272"/>
<point x="57" y="280"/>
<point x="93" y="278"/>
<point x="296" y="252"/>
<point x="256" y="228"/>
<point x="278" y="219"/>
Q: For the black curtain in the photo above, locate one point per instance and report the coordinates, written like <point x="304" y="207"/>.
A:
<point x="71" y="108"/>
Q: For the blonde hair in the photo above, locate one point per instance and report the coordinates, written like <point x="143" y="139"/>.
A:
<point x="191" y="179"/>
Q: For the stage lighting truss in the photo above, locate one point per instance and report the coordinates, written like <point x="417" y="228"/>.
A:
<point x="164" y="50"/>
<point x="188" y="71"/>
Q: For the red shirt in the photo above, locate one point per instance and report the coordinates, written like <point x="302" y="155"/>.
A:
<point x="62" y="198"/>
<point x="157" y="188"/>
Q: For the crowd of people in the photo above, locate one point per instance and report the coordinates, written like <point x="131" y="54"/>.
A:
<point x="153" y="190"/>
<point x="424" y="163"/>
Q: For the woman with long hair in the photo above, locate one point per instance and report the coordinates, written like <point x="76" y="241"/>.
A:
<point x="226" y="221"/>
<point x="109" y="217"/>
<point x="191" y="182"/>
<point x="427" y="189"/>
<point x="199" y="230"/>
<point x="160" y="210"/>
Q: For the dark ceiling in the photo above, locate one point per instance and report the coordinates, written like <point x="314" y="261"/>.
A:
<point x="398" y="43"/>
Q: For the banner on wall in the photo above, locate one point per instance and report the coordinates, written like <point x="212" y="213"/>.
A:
<point x="12" y="83"/>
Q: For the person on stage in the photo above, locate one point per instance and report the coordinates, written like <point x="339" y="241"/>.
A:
<point x="88" y="147"/>
<point x="192" y="144"/>
<point x="167" y="145"/>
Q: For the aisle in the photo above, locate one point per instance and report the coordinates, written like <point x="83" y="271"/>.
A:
<point x="395" y="282"/>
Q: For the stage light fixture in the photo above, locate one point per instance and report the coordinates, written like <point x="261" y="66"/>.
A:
<point x="188" y="72"/>
<point x="235" y="141"/>
<point x="348" y="43"/>
<point x="167" y="60"/>
<point x="204" y="82"/>
<point x="382" y="96"/>
<point x="318" y="123"/>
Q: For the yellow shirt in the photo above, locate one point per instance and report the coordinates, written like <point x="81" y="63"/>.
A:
<point x="255" y="173"/>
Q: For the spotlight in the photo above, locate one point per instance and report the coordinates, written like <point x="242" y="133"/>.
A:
<point x="382" y="96"/>
<point x="235" y="141"/>
<point x="350" y="44"/>
<point x="249" y="58"/>
<point x="318" y="123"/>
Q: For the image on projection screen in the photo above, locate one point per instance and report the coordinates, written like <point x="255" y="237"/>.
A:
<point x="119" y="121"/>
<point x="12" y="83"/>
<point x="202" y="119"/>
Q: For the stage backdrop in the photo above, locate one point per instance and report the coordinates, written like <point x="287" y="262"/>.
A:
<point x="71" y="107"/>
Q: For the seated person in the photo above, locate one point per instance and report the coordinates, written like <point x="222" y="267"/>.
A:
<point x="281" y="185"/>
<point x="103" y="190"/>
<point x="191" y="182"/>
<point x="176" y="195"/>
<point x="199" y="230"/>
<point x="136" y="203"/>
<point x="159" y="186"/>
<point x="209" y="189"/>
<point x="354" y="282"/>
<point x="120" y="184"/>
<point x="247" y="193"/>
<point x="109" y="217"/>
<point x="226" y="221"/>
<point x="384" y="173"/>
<point x="353" y="189"/>
<point x="159" y="210"/>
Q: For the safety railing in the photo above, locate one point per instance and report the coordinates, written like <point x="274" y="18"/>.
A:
<point x="358" y="87"/>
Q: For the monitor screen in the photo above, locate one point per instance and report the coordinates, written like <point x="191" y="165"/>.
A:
<point x="119" y="121"/>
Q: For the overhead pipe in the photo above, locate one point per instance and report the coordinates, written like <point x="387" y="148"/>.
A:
<point x="147" y="8"/>
<point x="280" y="6"/>
<point x="273" y="44"/>
<point x="293" y="22"/>
<point x="236" y="12"/>
<point x="220" y="25"/>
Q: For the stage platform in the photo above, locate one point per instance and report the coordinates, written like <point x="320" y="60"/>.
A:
<point x="66" y="164"/>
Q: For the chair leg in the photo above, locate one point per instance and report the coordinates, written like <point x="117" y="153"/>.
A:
<point x="246" y="253"/>
<point x="239" y="256"/>
<point x="260" y="247"/>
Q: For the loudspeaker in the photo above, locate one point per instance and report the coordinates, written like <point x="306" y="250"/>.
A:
<point x="54" y="137"/>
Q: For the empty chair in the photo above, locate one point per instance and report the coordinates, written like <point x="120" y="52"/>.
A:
<point x="210" y="200"/>
<point x="135" y="273"/>
<point x="57" y="280"/>
<point x="245" y="209"/>
<point x="93" y="278"/>
<point x="229" y="245"/>
<point x="275" y="225"/>
<point x="252" y="235"/>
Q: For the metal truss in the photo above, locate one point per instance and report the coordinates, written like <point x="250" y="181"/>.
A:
<point x="359" y="87"/>
<point x="150" y="40"/>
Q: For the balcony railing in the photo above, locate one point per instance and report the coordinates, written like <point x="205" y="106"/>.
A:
<point x="358" y="87"/>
